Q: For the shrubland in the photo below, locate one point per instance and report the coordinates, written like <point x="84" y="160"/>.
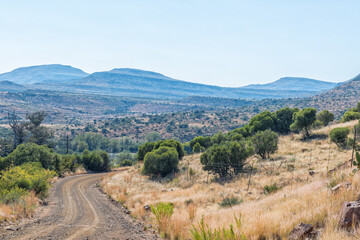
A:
<point x="273" y="190"/>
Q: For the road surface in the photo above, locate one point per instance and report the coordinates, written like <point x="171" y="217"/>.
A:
<point x="78" y="210"/>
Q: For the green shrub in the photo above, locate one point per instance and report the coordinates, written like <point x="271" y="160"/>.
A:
<point x="265" y="143"/>
<point x="161" y="161"/>
<point x="268" y="189"/>
<point x="126" y="163"/>
<point x="144" y="149"/>
<point x="325" y="117"/>
<point x="349" y="116"/>
<point x="31" y="152"/>
<point x="303" y="120"/>
<point x="163" y="212"/>
<point x="230" y="201"/>
<point x="204" y="232"/>
<point x="172" y="144"/>
<point x="339" y="136"/>
<point x="18" y="180"/>
<point x="97" y="161"/>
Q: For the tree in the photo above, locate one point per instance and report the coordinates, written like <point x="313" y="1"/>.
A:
<point x="144" y="149"/>
<point x="216" y="160"/>
<point x="283" y="118"/>
<point x="261" y="122"/>
<point x="171" y="143"/>
<point x="163" y="161"/>
<point x="239" y="151"/>
<point x="325" y="117"/>
<point x="19" y="129"/>
<point x="265" y="143"/>
<point x="339" y="136"/>
<point x="303" y="120"/>
<point x="31" y="152"/>
<point x="39" y="134"/>
<point x="203" y="141"/>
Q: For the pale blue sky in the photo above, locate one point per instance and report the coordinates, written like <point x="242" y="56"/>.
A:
<point x="226" y="43"/>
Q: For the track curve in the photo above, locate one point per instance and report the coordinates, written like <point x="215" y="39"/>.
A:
<point x="78" y="210"/>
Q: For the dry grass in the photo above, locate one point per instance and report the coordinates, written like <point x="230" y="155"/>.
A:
<point x="25" y="208"/>
<point x="302" y="198"/>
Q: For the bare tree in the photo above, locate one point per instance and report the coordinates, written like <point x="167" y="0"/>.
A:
<point x="18" y="128"/>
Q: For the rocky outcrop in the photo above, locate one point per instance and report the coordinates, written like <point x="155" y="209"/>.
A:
<point x="349" y="215"/>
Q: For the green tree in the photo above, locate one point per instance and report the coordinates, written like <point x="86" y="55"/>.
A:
<point x="283" y="118"/>
<point x="31" y="152"/>
<point x="144" y="149"/>
<point x="162" y="161"/>
<point x="261" y="122"/>
<point x="325" y="117"/>
<point x="265" y="143"/>
<point x="216" y="160"/>
<point x="171" y="143"/>
<point x="239" y="151"/>
<point x="303" y="120"/>
<point x="339" y="136"/>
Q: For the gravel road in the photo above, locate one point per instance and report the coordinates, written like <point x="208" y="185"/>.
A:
<point x="78" y="210"/>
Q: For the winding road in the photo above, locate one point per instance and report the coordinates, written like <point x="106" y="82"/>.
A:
<point x="78" y="210"/>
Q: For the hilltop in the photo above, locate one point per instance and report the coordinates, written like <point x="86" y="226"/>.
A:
<point x="128" y="82"/>
<point x="41" y="73"/>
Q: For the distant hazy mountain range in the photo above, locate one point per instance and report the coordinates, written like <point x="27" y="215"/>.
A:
<point x="138" y="83"/>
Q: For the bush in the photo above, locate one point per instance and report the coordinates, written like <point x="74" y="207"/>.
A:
<point x="97" y="161"/>
<point x="325" y="117"/>
<point x="227" y="158"/>
<point x="126" y="163"/>
<point x="161" y="161"/>
<point x="204" y="232"/>
<point x="268" y="189"/>
<point x="163" y="212"/>
<point x="172" y="144"/>
<point x="265" y="143"/>
<point x="349" y="116"/>
<point x="303" y="120"/>
<point x="31" y="152"/>
<point x="144" y="149"/>
<point x="339" y="136"/>
<point x="18" y="181"/>
<point x="230" y="201"/>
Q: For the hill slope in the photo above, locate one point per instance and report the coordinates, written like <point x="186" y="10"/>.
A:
<point x="10" y="86"/>
<point x="293" y="83"/>
<point x="36" y="74"/>
<point x="139" y="83"/>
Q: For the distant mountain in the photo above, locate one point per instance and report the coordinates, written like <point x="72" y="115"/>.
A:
<point x="10" y="86"/>
<point x="129" y="82"/>
<point x="41" y="73"/>
<point x="294" y="83"/>
<point x="139" y="83"/>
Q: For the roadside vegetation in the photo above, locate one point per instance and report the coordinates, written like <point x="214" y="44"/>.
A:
<point x="274" y="172"/>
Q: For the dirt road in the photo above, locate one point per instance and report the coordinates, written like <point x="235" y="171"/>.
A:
<point x="78" y="210"/>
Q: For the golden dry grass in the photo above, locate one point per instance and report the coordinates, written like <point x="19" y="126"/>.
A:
<point x="25" y="208"/>
<point x="302" y="198"/>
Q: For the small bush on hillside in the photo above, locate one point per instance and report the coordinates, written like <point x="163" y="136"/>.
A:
<point x="204" y="232"/>
<point x="161" y="161"/>
<point x="229" y="158"/>
<point x="349" y="116"/>
<point x="265" y="143"/>
<point x="303" y="120"/>
<point x="163" y="212"/>
<point x="172" y="144"/>
<point x="144" y="149"/>
<point x="325" y="117"/>
<point x="230" y="201"/>
<point x="268" y="189"/>
<point x="339" y="136"/>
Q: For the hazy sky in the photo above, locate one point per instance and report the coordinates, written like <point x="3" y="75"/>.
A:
<point x="226" y="43"/>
